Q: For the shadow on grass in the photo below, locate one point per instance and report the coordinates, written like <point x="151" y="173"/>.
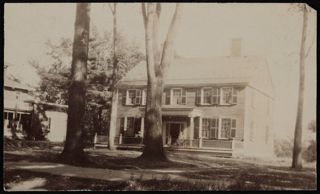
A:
<point x="14" y="178"/>
<point x="96" y="161"/>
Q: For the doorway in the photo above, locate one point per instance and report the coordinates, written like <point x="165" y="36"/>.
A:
<point x="174" y="131"/>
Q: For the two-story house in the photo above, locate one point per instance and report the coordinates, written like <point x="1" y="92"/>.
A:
<point x="15" y="106"/>
<point x="222" y="104"/>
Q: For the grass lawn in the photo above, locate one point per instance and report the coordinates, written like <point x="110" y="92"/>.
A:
<point x="185" y="171"/>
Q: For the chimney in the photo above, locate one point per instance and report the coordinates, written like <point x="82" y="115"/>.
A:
<point x="236" y="47"/>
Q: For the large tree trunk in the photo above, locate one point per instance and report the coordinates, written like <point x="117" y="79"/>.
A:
<point x="157" y="64"/>
<point x="73" y="148"/>
<point x="114" y="101"/>
<point x="297" y="147"/>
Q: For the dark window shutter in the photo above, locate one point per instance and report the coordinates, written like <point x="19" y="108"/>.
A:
<point x="183" y="97"/>
<point x="124" y="96"/>
<point x="234" y="96"/>
<point x="233" y="128"/>
<point x="198" y="96"/>
<point x="121" y="125"/>
<point x="167" y="94"/>
<point x="196" y="128"/>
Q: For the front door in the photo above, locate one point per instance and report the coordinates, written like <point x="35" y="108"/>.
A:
<point x="175" y="129"/>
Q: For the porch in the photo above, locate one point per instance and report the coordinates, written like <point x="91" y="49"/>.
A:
<point x="182" y="130"/>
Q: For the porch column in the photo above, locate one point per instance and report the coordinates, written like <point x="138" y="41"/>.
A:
<point x="200" y="132"/>
<point x="219" y="128"/>
<point x="191" y="130"/>
<point x="142" y="128"/>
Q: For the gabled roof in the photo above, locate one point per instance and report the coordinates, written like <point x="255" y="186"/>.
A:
<point x="204" y="71"/>
<point x="16" y="85"/>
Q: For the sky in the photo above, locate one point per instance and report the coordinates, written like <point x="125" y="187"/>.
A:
<point x="269" y="30"/>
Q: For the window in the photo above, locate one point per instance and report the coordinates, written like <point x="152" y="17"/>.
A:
<point x="222" y="96"/>
<point x="130" y="127"/>
<point x="134" y="97"/>
<point x="215" y="95"/>
<point x="214" y="127"/>
<point x="225" y="128"/>
<point x="207" y="95"/>
<point x="210" y="128"/>
<point x="205" y="128"/>
<point x="178" y="96"/>
<point x="5" y="115"/>
<point x="226" y="94"/>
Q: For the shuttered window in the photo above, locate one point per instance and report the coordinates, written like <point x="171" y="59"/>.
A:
<point x="133" y="97"/>
<point x="214" y="127"/>
<point x="207" y="95"/>
<point x="225" y="128"/>
<point x="205" y="128"/>
<point x="226" y="95"/>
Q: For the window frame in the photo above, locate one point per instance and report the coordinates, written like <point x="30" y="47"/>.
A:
<point x="220" y="133"/>
<point x="203" y="96"/>
<point x="222" y="102"/>
<point x="136" y="96"/>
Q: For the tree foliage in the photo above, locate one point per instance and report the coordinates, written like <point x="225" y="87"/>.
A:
<point x="55" y="75"/>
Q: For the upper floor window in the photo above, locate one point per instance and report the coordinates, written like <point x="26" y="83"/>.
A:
<point x="226" y="94"/>
<point x="222" y="96"/>
<point x="135" y="97"/>
<point x="175" y="96"/>
<point x="207" y="95"/>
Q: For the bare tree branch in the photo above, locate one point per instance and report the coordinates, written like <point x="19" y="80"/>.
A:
<point x="155" y="34"/>
<point x="112" y="10"/>
<point x="144" y="14"/>
<point x="168" y="47"/>
<point x="149" y="41"/>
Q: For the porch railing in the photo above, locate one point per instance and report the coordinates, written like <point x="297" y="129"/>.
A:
<point x="217" y="143"/>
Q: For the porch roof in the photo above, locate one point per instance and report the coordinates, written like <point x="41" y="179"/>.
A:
<point x="180" y="111"/>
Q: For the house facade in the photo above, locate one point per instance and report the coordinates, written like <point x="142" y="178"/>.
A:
<point x="14" y="106"/>
<point x="221" y="104"/>
<point x="19" y="107"/>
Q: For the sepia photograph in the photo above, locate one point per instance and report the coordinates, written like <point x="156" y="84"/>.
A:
<point x="159" y="96"/>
